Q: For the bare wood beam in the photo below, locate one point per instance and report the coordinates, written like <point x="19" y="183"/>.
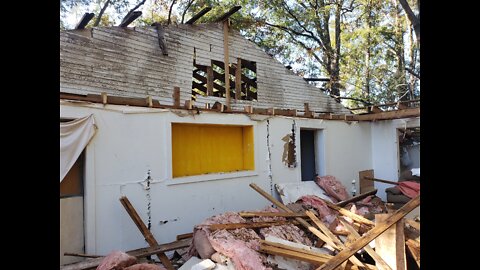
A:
<point x="233" y="226"/>
<point x="317" y="79"/>
<point x="84" y="20"/>
<point x="209" y="81"/>
<point x="198" y="15"/>
<point x="272" y="214"/>
<point x="386" y="104"/>
<point x="226" y="61"/>
<point x="144" y="230"/>
<point x="365" y="185"/>
<point x="381" y="180"/>
<point x="407" y="113"/>
<point x="349" y="214"/>
<point x="176" y="96"/>
<point x="356" y="198"/>
<point x="370" y="235"/>
<point x="228" y="14"/>
<point x="238" y="79"/>
<point x="130" y="18"/>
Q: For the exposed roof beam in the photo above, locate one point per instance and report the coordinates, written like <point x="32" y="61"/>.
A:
<point x="406" y="113"/>
<point x="198" y="15"/>
<point x="317" y="79"/>
<point x="228" y="14"/>
<point x="84" y="20"/>
<point x="130" y="18"/>
<point x="386" y="104"/>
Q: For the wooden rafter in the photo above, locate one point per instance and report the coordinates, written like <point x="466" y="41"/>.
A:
<point x="84" y="20"/>
<point x="198" y="15"/>
<point x="130" y="18"/>
<point x="228" y="14"/>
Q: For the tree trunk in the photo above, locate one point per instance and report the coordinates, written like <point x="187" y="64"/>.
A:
<point x="412" y="17"/>
<point x="186" y="9"/>
<point x="368" y="52"/>
<point x="335" y="66"/>
<point x="170" y="12"/>
<point x="400" y="78"/>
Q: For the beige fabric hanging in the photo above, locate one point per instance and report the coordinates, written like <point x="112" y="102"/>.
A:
<point x="74" y="136"/>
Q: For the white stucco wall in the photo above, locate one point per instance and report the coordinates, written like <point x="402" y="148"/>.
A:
<point x="132" y="141"/>
<point x="385" y="155"/>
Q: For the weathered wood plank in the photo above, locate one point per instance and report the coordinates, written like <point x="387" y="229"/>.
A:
<point x="390" y="245"/>
<point x="145" y="232"/>
<point x="356" y="198"/>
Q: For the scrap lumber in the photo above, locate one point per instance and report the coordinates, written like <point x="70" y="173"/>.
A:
<point x="271" y="214"/>
<point x="381" y="180"/>
<point x="391" y="244"/>
<point x="365" y="185"/>
<point x="370" y="235"/>
<point x="300" y="254"/>
<point x="81" y="255"/>
<point x="413" y="248"/>
<point x="333" y="237"/>
<point x="138" y="253"/>
<point x="302" y="221"/>
<point x="144" y="230"/>
<point x="184" y="236"/>
<point x="349" y="214"/>
<point x="378" y="259"/>
<point x="413" y="224"/>
<point x="356" y="198"/>
<point x="233" y="226"/>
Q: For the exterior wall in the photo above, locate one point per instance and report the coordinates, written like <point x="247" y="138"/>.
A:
<point x="129" y="62"/>
<point x="133" y="142"/>
<point x="385" y="155"/>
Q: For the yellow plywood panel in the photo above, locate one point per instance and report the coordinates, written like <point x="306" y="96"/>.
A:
<point x="201" y="149"/>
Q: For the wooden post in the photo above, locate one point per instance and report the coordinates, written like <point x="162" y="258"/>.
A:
<point x="227" y="62"/>
<point x="365" y="185"/>
<point x="391" y="244"/>
<point x="104" y="98"/>
<point x="370" y="235"/>
<point x="238" y="80"/>
<point x="149" y="101"/>
<point x="210" y="81"/>
<point x="145" y="232"/>
<point x="176" y="96"/>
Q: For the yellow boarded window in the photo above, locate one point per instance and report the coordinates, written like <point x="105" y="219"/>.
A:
<point x="201" y="149"/>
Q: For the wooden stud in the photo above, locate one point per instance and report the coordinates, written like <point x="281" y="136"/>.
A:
<point x="149" y="101"/>
<point x="272" y="214"/>
<point x="210" y="81"/>
<point x="188" y="104"/>
<point x="381" y="264"/>
<point x="391" y="244"/>
<point x="254" y="225"/>
<point x="238" y="80"/>
<point x="308" y="113"/>
<point x="248" y="109"/>
<point x="104" y="98"/>
<point x="144" y="230"/>
<point x="226" y="61"/>
<point x="184" y="236"/>
<point x="370" y="235"/>
<point x="349" y="214"/>
<point x="176" y="96"/>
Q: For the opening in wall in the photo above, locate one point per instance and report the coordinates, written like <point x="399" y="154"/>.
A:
<point x="311" y="153"/>
<point x="408" y="151"/>
<point x="206" y="148"/>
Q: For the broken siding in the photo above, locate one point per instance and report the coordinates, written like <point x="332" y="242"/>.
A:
<point x="129" y="62"/>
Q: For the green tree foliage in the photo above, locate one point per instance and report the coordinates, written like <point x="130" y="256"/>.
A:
<point x="368" y="48"/>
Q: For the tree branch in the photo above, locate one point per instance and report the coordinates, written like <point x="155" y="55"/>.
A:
<point x="412" y="72"/>
<point x="170" y="12"/>
<point x="99" y="17"/>
<point x="185" y="11"/>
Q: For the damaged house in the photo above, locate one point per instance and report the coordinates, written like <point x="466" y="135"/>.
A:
<point x="182" y="118"/>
